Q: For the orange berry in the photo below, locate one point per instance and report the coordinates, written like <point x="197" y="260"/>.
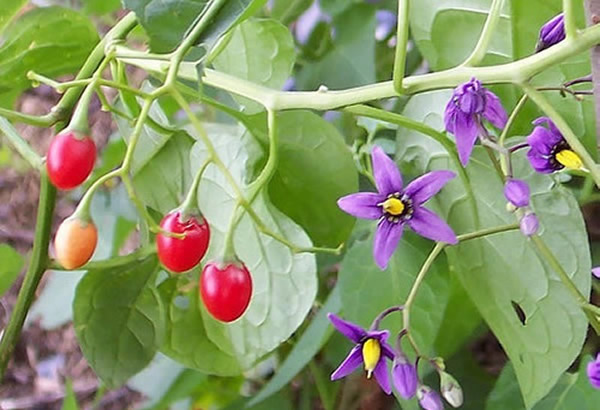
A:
<point x="75" y="242"/>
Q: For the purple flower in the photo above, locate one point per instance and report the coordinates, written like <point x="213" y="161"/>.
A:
<point x="593" y="372"/>
<point x="529" y="224"/>
<point x="386" y="22"/>
<point x="596" y="272"/>
<point x="395" y="206"/>
<point x="469" y="105"/>
<point x="404" y="376"/>
<point x="551" y="33"/>
<point x="307" y="22"/>
<point x="517" y="192"/>
<point x="371" y="349"/>
<point x="549" y="152"/>
<point x="429" y="399"/>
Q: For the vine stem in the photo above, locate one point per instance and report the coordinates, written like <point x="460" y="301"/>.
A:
<point x="20" y="145"/>
<point x="512" y="118"/>
<point x="47" y="200"/>
<point x="118" y="261"/>
<point x="565" y="129"/>
<point x="569" y="13"/>
<point x="437" y="249"/>
<point x="401" y="45"/>
<point x="486" y="35"/>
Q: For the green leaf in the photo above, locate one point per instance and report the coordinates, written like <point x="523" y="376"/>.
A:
<point x="53" y="41"/>
<point x="351" y="62"/>
<point x="9" y="10"/>
<point x="11" y="266"/>
<point x="100" y="7"/>
<point x="167" y="21"/>
<point x="367" y="291"/>
<point x="309" y="144"/>
<point x="186" y="340"/>
<point x="287" y="11"/>
<point x="261" y="51"/>
<point x="119" y="320"/>
<point x="284" y="283"/>
<point x="309" y="344"/>
<point x="573" y="391"/>
<point x="501" y="270"/>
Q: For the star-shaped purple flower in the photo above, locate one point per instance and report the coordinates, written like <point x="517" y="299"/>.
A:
<point x="371" y="349"/>
<point x="593" y="372"/>
<point x="549" y="151"/>
<point x="395" y="206"/>
<point x="470" y="104"/>
<point x="551" y="33"/>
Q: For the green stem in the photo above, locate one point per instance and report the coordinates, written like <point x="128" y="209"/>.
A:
<point x="486" y="35"/>
<point x="565" y="129"/>
<point x="79" y="120"/>
<point x="38" y="121"/>
<point x="512" y="118"/>
<point x="20" y="145"/>
<point x="190" y="205"/>
<point x="37" y="266"/>
<point x="437" y="249"/>
<point x="269" y="169"/>
<point x="401" y="45"/>
<point x="111" y="263"/>
<point x="569" y="13"/>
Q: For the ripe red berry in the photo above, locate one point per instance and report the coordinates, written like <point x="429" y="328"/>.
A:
<point x="182" y="254"/>
<point x="226" y="290"/>
<point x="70" y="159"/>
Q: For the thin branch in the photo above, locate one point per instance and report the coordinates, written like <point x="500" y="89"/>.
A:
<point x="401" y="45"/>
<point x="20" y="144"/>
<point x="486" y="35"/>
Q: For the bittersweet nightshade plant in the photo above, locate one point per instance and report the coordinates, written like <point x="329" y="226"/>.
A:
<point x="593" y="372"/>
<point x="551" y="33"/>
<point x="470" y="105"/>
<point x="596" y="272"/>
<point x="394" y="206"/>
<point x="371" y="350"/>
<point x="517" y="192"/>
<point x="450" y="389"/>
<point x="549" y="151"/>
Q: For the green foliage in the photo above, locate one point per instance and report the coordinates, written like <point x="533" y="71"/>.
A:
<point x="12" y="263"/>
<point x="166" y="22"/>
<point x="573" y="391"/>
<point x="261" y="51"/>
<point x="503" y="269"/>
<point x="70" y="401"/>
<point x="9" y="10"/>
<point x="119" y="335"/>
<point x="52" y="41"/>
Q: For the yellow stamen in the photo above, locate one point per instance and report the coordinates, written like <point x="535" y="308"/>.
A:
<point x="569" y="159"/>
<point x="371" y="352"/>
<point x="393" y="206"/>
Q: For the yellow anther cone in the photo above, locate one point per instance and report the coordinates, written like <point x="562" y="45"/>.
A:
<point x="569" y="159"/>
<point x="393" y="206"/>
<point x="371" y="352"/>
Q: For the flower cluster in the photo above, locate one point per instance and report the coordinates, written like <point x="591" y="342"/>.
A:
<point x="372" y="351"/>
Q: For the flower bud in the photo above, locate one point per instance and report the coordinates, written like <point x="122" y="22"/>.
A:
<point x="596" y="272"/>
<point x="404" y="376"/>
<point x="529" y="224"/>
<point x="551" y="33"/>
<point x="451" y="390"/>
<point x="593" y="372"/>
<point x="517" y="192"/>
<point x="429" y="399"/>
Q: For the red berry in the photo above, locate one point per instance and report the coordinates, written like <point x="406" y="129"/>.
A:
<point x="226" y="290"/>
<point x="70" y="159"/>
<point x="182" y="254"/>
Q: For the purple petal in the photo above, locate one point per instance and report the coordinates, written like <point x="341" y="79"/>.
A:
<point x="596" y="272"/>
<point x="352" y="331"/>
<point x="543" y="140"/>
<point x="362" y="205"/>
<point x="427" y="224"/>
<point x="529" y="224"/>
<point x="466" y="131"/>
<point x="380" y="335"/>
<point x="551" y="33"/>
<point x="387" y="175"/>
<point x="387" y="350"/>
<point x="540" y="163"/>
<point x="350" y="363"/>
<point x="387" y="236"/>
<point x="517" y="192"/>
<point x="382" y="376"/>
<point x="429" y="399"/>
<point x="426" y="186"/>
<point x="450" y="115"/>
<point x="494" y="111"/>
<point x="404" y="376"/>
<point x="593" y="372"/>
